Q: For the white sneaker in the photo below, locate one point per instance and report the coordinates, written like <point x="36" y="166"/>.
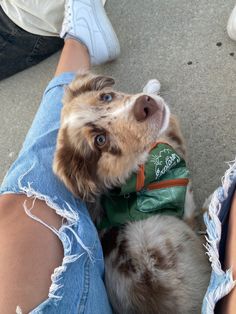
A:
<point x="231" y="26"/>
<point x="86" y="21"/>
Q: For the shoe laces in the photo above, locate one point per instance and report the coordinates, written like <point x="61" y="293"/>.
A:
<point x="67" y="22"/>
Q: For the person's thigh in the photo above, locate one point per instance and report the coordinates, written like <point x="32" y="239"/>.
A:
<point x="76" y="285"/>
<point x="20" y="49"/>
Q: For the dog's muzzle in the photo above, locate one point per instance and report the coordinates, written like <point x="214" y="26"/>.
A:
<point x="145" y="107"/>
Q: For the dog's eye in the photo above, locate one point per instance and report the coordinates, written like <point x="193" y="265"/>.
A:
<point x="107" y="97"/>
<point x="100" y="140"/>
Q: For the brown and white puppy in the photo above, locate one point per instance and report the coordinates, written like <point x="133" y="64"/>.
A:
<point x="152" y="266"/>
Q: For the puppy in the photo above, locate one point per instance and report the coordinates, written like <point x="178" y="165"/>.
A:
<point x="155" y="264"/>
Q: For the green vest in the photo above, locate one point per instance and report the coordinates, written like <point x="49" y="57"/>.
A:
<point x="159" y="187"/>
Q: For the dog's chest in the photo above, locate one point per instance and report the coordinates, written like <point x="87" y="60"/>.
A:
<point x="159" y="187"/>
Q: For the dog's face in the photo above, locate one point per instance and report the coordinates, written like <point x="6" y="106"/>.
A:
<point x="104" y="134"/>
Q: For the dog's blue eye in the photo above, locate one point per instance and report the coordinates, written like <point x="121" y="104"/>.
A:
<point x="100" y="140"/>
<point x="107" y="97"/>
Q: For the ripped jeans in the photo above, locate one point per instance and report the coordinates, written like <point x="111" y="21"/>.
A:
<point x="77" y="285"/>
<point x="221" y="282"/>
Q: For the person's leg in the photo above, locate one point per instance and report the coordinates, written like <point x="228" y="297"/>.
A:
<point x="74" y="57"/>
<point x="29" y="252"/>
<point x="220" y="221"/>
<point x="20" y="50"/>
<point x="100" y="39"/>
<point x="228" y="304"/>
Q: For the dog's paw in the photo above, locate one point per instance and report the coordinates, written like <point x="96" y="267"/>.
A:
<point x="152" y="87"/>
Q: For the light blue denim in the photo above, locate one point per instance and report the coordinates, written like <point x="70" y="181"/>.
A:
<point x="216" y="220"/>
<point x="77" y="285"/>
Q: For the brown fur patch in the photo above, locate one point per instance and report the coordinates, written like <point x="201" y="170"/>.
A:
<point x="174" y="136"/>
<point x="127" y="267"/>
<point x="145" y="295"/>
<point x="123" y="261"/>
<point x="108" y="147"/>
<point x="164" y="259"/>
<point x="122" y="248"/>
<point x="95" y="129"/>
<point x="115" y="150"/>
<point x="71" y="165"/>
<point x="94" y="84"/>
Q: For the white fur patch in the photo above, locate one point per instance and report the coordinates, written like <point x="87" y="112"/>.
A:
<point x="77" y="120"/>
<point x="125" y="109"/>
<point x="189" y="205"/>
<point x="152" y="87"/>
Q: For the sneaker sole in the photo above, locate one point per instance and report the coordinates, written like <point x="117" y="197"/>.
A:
<point x="231" y="26"/>
<point x="106" y="30"/>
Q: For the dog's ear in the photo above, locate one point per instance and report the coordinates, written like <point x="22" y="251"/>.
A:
<point x="174" y="134"/>
<point x="87" y="82"/>
<point x="77" y="169"/>
<point x="100" y="82"/>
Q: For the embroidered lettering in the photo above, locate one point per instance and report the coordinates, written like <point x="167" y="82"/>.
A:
<point x="164" y="161"/>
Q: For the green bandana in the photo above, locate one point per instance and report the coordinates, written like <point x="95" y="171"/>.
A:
<point x="159" y="189"/>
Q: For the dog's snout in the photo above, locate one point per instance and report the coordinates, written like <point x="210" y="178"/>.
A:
<point x="145" y="107"/>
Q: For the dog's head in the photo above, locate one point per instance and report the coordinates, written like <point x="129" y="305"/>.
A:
<point x="104" y="135"/>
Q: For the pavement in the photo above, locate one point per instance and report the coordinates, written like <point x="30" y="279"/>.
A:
<point x="184" y="44"/>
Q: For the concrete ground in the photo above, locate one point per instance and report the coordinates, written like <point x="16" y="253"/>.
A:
<point x="182" y="43"/>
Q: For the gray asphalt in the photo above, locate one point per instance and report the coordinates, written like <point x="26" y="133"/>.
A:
<point x="184" y="44"/>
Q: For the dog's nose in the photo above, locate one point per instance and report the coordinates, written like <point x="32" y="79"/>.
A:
<point x="145" y="107"/>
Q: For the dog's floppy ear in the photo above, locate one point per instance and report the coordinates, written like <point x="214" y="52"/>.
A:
<point x="76" y="169"/>
<point x="87" y="82"/>
<point x="100" y="82"/>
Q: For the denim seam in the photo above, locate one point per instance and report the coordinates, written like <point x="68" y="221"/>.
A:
<point x="84" y="297"/>
<point x="33" y="52"/>
<point x="63" y="80"/>
<point x="36" y="46"/>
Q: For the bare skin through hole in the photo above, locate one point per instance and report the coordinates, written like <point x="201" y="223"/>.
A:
<point x="29" y="253"/>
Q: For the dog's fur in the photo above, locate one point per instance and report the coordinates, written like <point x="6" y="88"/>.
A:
<point x="155" y="265"/>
